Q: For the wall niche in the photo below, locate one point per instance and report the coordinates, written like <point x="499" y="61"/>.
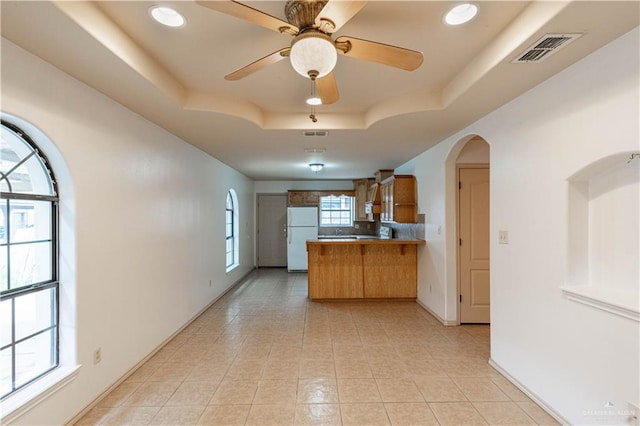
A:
<point x="603" y="235"/>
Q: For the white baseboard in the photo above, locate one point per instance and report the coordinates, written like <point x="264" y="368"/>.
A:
<point x="152" y="353"/>
<point x="541" y="403"/>
<point x="444" y="322"/>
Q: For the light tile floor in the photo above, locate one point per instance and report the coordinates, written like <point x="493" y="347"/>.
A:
<point x="266" y="355"/>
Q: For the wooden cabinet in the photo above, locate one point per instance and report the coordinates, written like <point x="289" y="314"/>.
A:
<point x="390" y="271"/>
<point x="398" y="199"/>
<point x="361" y="189"/>
<point x="335" y="271"/>
<point x="304" y="198"/>
<point x="360" y="270"/>
<point x="372" y="206"/>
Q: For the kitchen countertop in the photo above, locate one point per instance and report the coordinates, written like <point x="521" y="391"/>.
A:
<point x="364" y="239"/>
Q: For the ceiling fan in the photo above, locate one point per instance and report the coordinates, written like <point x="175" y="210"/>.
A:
<point x="313" y="52"/>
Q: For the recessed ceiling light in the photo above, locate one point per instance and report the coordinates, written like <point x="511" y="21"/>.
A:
<point x="461" y="13"/>
<point x="167" y="16"/>
<point x="314" y="100"/>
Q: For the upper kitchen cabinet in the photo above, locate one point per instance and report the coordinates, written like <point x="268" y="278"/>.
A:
<point x="304" y="198"/>
<point x="361" y="189"/>
<point x="372" y="205"/>
<point x="398" y="199"/>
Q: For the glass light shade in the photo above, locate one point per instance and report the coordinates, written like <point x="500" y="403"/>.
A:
<point x="313" y="51"/>
<point x="314" y="101"/>
<point x="167" y="16"/>
<point x="461" y="14"/>
<point x="316" y="167"/>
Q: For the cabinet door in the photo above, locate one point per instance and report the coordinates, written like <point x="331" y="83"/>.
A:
<point x="383" y="203"/>
<point x="386" y="215"/>
<point x="390" y="204"/>
<point x="335" y="271"/>
<point x="390" y="271"/>
<point x="311" y="198"/>
<point x="361" y="187"/>
<point x="296" y="198"/>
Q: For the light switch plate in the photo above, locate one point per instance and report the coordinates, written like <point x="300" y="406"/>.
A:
<point x="503" y="237"/>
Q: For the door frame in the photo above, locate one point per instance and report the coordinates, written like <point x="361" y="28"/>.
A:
<point x="457" y="227"/>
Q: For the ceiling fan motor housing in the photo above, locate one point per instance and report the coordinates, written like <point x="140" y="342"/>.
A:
<point x="302" y="13"/>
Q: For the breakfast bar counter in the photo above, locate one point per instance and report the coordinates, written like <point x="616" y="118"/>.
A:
<point x="363" y="268"/>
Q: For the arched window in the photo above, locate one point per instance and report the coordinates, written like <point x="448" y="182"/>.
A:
<point x="231" y="231"/>
<point x="28" y="262"/>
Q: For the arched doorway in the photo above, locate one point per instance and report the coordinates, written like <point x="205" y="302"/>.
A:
<point x="472" y="170"/>
<point x="468" y="284"/>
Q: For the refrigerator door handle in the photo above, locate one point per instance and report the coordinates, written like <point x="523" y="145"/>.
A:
<point x="289" y="235"/>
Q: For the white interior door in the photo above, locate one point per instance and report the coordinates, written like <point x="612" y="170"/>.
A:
<point x="473" y="251"/>
<point x="272" y="230"/>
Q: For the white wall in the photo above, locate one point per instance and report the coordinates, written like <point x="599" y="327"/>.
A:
<point x="144" y="213"/>
<point x="573" y="357"/>
<point x="476" y="151"/>
<point x="282" y="186"/>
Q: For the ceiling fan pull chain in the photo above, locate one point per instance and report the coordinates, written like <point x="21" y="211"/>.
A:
<point x="312" y="116"/>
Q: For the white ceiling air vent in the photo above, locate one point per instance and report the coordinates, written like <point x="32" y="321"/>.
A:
<point x="312" y="133"/>
<point x="315" y="150"/>
<point x="545" y="47"/>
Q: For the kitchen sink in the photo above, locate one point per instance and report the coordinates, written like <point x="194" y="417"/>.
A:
<point x="337" y="237"/>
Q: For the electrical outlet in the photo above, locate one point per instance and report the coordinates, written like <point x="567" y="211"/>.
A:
<point x="97" y="356"/>
<point x="503" y="237"/>
<point x="357" y="226"/>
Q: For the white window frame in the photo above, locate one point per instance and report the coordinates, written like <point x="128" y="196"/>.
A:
<point x="339" y="223"/>
<point x="232" y="249"/>
<point x="28" y="397"/>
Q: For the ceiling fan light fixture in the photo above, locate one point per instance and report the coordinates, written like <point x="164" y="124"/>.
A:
<point x="461" y="13"/>
<point x="316" y="167"/>
<point x="167" y="16"/>
<point x="313" y="53"/>
<point x="313" y="101"/>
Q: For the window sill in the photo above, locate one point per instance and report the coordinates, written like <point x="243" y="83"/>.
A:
<point x="232" y="267"/>
<point x="25" y="399"/>
<point x="621" y="302"/>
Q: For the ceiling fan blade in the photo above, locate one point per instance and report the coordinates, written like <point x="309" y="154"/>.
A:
<point x="337" y="13"/>
<point x="259" y="64"/>
<point x="250" y="14"/>
<point x="327" y="89"/>
<point x="386" y="54"/>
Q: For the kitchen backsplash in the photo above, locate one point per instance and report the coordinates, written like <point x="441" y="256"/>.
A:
<point x="363" y="228"/>
<point x="406" y="231"/>
<point x="400" y="230"/>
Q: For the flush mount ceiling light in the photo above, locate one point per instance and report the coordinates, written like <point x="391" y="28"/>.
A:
<point x="316" y="167"/>
<point x="167" y="16"/>
<point x="461" y="13"/>
<point x="313" y="54"/>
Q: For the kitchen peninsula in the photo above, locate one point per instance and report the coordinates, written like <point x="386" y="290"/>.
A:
<point x="362" y="268"/>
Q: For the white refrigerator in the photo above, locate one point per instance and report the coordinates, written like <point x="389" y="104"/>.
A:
<point x="302" y="225"/>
